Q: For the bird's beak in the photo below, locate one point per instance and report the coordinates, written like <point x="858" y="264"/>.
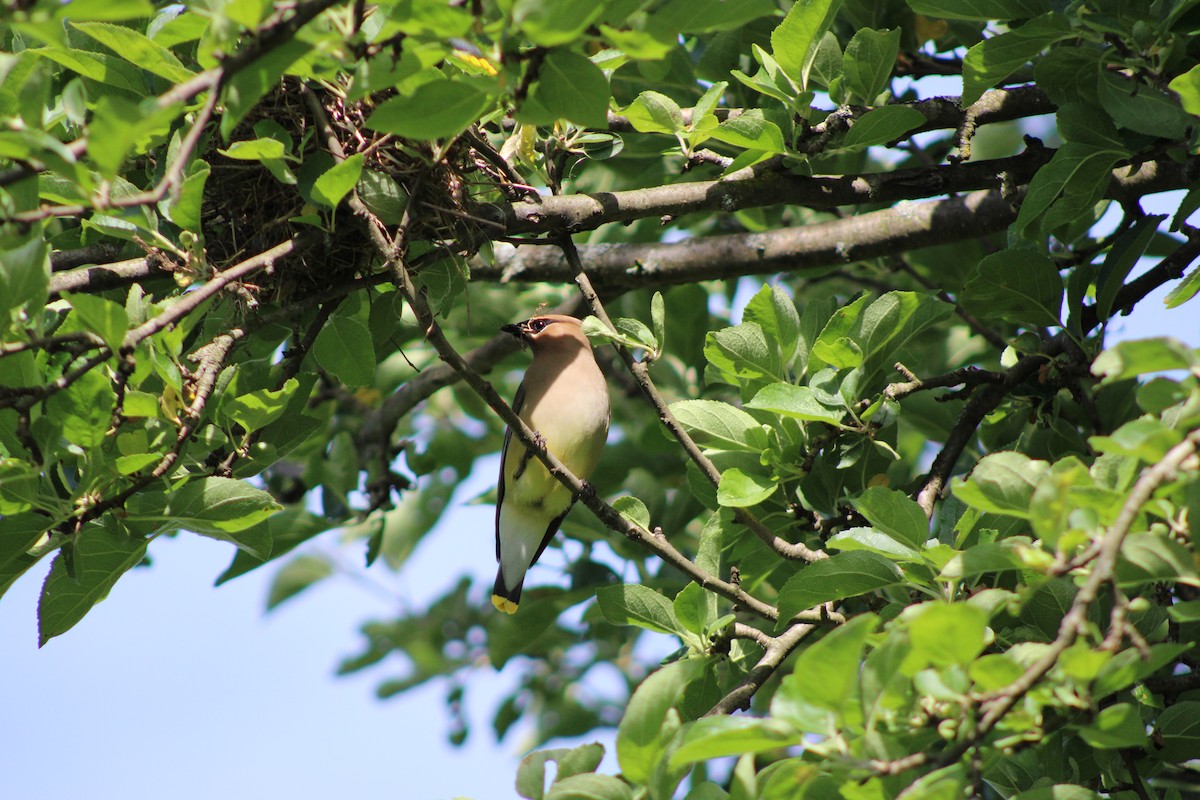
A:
<point x="517" y="329"/>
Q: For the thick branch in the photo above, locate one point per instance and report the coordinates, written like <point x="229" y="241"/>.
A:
<point x="905" y="226"/>
<point x="98" y="277"/>
<point x="756" y="188"/>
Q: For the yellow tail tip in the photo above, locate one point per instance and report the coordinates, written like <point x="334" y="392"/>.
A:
<point x="504" y="604"/>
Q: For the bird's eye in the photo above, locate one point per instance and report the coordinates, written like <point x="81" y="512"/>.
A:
<point x="538" y="325"/>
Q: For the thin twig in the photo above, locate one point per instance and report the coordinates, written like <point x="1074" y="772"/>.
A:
<point x="777" y="651"/>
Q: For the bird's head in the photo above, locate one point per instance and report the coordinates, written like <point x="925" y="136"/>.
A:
<point x="549" y="332"/>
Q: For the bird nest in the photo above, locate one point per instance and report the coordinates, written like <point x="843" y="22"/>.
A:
<point x="250" y="207"/>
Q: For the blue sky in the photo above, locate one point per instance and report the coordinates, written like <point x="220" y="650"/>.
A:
<point x="171" y="688"/>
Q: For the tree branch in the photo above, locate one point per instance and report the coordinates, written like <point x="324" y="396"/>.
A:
<point x="757" y="188"/>
<point x="778" y="649"/>
<point x="392" y="254"/>
<point x="192" y="300"/>
<point x="906" y="226"/>
<point x="641" y="374"/>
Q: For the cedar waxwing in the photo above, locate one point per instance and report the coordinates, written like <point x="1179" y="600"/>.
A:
<point x="564" y="399"/>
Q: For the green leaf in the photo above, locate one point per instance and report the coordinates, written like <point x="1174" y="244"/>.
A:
<point x="1138" y="107"/>
<point x="84" y="409"/>
<point x="108" y="10"/>
<point x="590" y="786"/>
<point x="794" y="41"/>
<point x="258" y="409"/>
<point x="631" y="333"/>
<point x="571" y="87"/>
<point x="751" y="131"/>
<point x="21" y="531"/>
<point x="840" y="576"/>
<point x="882" y="126"/>
<point x="894" y="513"/>
<point x="720" y="426"/>
<point x="136" y="48"/>
<point x="337" y="181"/>
<point x="550" y="23"/>
<point x="1178" y="732"/>
<point x="640" y="736"/>
<point x="255" y="149"/>
<point x="285" y="530"/>
<point x="100" y="67"/>
<point x="868" y="62"/>
<point x="1002" y="483"/>
<point x="1015" y="285"/>
<point x="438" y="109"/>
<point x="868" y="332"/>
<point x="295" y="576"/>
<point x="796" y="402"/>
<point x="980" y="10"/>
<point x="101" y="556"/>
<point x="1061" y="792"/>
<point x="717" y="737"/>
<point x="216" y="507"/>
<point x="775" y="313"/>
<point x="948" y="633"/>
<point x="695" y="608"/>
<point x="991" y="61"/>
<point x="1184" y="611"/>
<point x="825" y="676"/>
<point x="103" y="317"/>
<point x="634" y="604"/>
<point x="1125" y="252"/>
<point x="1118" y="725"/>
<point x="1140" y="356"/>
<point x="1146" y="438"/>
<point x="185" y="209"/>
<point x="985" y="558"/>
<point x="1067" y="188"/>
<point x="1151" y="557"/>
<point x="739" y="489"/>
<point x="1187" y="86"/>
<point x="24" y="277"/>
<point x="873" y="541"/>
<point x="531" y="774"/>
<point x="383" y="196"/>
<point x="742" y="355"/>
<point x="710" y="16"/>
<point x="633" y="510"/>
<point x="658" y="319"/>
<point x="343" y="348"/>
<point x="1184" y="290"/>
<point x="654" y="112"/>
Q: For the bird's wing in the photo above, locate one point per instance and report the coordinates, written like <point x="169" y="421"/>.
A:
<point x="551" y="529"/>
<point x="517" y="404"/>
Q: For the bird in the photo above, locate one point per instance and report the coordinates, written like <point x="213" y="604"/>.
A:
<point x="564" y="400"/>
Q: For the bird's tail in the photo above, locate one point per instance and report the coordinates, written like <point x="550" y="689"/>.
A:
<point x="504" y="598"/>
